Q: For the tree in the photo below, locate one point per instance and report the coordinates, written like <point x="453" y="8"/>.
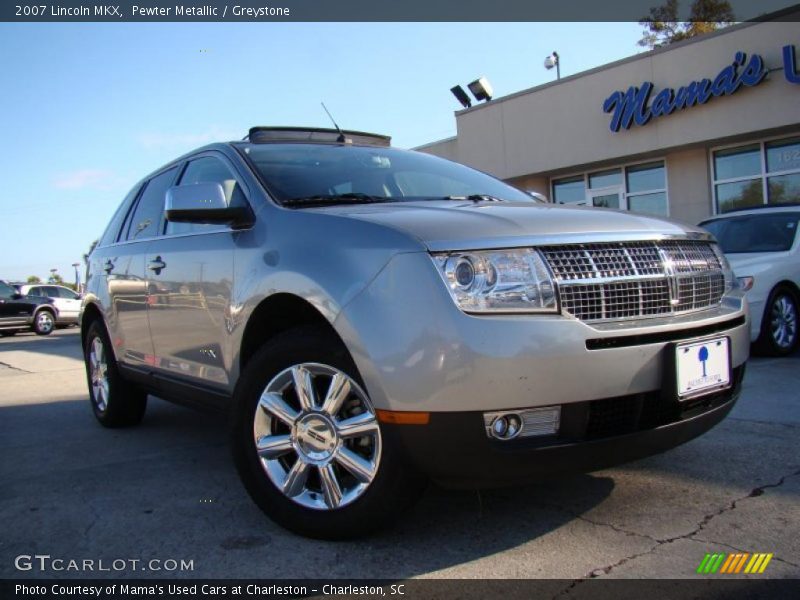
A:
<point x="663" y="27"/>
<point x="33" y="279"/>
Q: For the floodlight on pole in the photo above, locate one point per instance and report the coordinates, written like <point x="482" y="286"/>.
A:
<point x="461" y="96"/>
<point x="553" y="61"/>
<point x="481" y="89"/>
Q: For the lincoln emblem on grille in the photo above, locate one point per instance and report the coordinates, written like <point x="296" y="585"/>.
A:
<point x="672" y="279"/>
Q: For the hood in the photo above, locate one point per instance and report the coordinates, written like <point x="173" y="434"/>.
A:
<point x="456" y="225"/>
<point x="748" y="263"/>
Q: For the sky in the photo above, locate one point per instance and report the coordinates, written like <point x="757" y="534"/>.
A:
<point x="86" y="110"/>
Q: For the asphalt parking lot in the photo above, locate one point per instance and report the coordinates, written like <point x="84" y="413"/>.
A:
<point x="168" y="490"/>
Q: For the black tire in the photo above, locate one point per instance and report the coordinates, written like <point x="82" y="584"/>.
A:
<point x="781" y="304"/>
<point x="125" y="403"/>
<point x="395" y="485"/>
<point x="44" y="322"/>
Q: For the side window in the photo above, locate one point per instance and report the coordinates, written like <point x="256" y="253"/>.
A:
<point x="66" y="293"/>
<point x="111" y="233"/>
<point x="147" y="217"/>
<point x="209" y="170"/>
<point x="35" y="291"/>
<point x="51" y="292"/>
<point x="6" y="291"/>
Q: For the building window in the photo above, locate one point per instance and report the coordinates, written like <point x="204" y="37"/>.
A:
<point x="757" y="174"/>
<point x="639" y="188"/>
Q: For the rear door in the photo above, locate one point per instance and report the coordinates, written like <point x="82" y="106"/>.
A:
<point x="67" y="302"/>
<point x="190" y="300"/>
<point x="123" y="267"/>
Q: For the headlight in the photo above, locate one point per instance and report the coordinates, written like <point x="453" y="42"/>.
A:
<point x="727" y="271"/>
<point x="514" y="280"/>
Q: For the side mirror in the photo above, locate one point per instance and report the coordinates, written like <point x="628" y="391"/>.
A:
<point x="204" y="203"/>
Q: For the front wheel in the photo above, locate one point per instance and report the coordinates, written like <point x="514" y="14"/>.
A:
<point x="44" y="322"/>
<point x="779" y="335"/>
<point x="115" y="402"/>
<point x="308" y="444"/>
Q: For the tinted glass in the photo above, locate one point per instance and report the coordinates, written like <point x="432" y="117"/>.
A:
<point x="605" y="178"/>
<point x="569" y="191"/>
<point x="784" y="188"/>
<point x="739" y="194"/>
<point x="783" y="155"/>
<point x="111" y="233"/>
<point x="737" y="162"/>
<point x="6" y="291"/>
<point x="149" y="212"/>
<point x="66" y="293"/>
<point x="644" y="178"/>
<point x="651" y="204"/>
<point x="755" y="233"/>
<point x="606" y="201"/>
<point x="304" y="170"/>
<point x="209" y="170"/>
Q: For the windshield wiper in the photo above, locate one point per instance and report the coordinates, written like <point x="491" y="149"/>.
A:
<point x="325" y="199"/>
<point x="476" y="198"/>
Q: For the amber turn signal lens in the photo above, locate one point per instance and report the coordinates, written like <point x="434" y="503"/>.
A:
<point x="403" y="417"/>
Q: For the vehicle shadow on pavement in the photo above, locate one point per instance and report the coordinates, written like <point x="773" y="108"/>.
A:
<point x="168" y="489"/>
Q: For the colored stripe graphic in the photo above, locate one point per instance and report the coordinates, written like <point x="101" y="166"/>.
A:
<point x="738" y="562"/>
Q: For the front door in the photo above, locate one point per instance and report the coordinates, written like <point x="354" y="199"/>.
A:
<point x="191" y="285"/>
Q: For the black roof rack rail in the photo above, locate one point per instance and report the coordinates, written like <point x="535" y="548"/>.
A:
<point x="264" y="135"/>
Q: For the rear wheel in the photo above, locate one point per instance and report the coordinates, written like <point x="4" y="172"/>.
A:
<point x="779" y="327"/>
<point x="308" y="445"/>
<point x="44" y="322"/>
<point x="115" y="402"/>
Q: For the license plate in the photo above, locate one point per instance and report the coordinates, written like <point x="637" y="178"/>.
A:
<point x="703" y="367"/>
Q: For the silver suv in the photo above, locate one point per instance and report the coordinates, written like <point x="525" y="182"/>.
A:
<point x="373" y="318"/>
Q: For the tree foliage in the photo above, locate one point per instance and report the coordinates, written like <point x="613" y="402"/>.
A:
<point x="663" y="26"/>
<point x="32" y="279"/>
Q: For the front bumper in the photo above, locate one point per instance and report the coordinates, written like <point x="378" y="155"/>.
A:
<point x="454" y="450"/>
<point x="416" y="351"/>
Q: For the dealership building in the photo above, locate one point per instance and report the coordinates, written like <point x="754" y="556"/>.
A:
<point x="689" y="130"/>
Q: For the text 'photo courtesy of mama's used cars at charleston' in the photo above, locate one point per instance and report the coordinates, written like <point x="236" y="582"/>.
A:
<point x="374" y="318"/>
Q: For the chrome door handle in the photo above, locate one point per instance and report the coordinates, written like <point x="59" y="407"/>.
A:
<point x="156" y="265"/>
<point x="108" y="266"/>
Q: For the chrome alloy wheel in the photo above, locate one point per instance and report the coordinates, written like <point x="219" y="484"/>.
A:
<point x="783" y="321"/>
<point x="44" y="322"/>
<point x="317" y="436"/>
<point x="98" y="373"/>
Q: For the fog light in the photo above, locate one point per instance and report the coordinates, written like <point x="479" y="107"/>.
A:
<point x="526" y="422"/>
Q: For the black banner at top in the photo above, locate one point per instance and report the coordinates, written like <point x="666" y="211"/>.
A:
<point x="361" y="10"/>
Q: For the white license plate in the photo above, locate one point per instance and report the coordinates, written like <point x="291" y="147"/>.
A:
<point x="703" y="367"/>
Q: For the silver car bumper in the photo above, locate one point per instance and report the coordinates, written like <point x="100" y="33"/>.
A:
<point x="418" y="352"/>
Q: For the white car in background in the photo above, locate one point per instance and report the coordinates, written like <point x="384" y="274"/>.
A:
<point x="763" y="248"/>
<point x="66" y="301"/>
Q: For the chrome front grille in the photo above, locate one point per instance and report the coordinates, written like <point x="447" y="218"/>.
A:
<point x="629" y="280"/>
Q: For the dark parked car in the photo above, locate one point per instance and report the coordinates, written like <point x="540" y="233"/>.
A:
<point x="18" y="312"/>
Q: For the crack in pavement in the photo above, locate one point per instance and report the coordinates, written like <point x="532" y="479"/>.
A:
<point x="757" y="422"/>
<point x="13" y="368"/>
<point x="754" y="493"/>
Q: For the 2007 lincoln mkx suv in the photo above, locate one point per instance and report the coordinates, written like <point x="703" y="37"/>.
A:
<point x="373" y="318"/>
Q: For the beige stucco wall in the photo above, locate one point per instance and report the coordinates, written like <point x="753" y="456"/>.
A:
<point x="562" y="125"/>
<point x="688" y="185"/>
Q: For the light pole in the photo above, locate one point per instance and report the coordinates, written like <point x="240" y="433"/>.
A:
<point x="53" y="275"/>
<point x="75" y="265"/>
<point x="553" y="61"/>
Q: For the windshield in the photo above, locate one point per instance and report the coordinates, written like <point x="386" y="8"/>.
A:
<point x="358" y="173"/>
<point x="755" y="233"/>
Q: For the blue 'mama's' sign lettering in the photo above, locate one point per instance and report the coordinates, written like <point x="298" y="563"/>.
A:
<point x="634" y="106"/>
<point x="789" y="67"/>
